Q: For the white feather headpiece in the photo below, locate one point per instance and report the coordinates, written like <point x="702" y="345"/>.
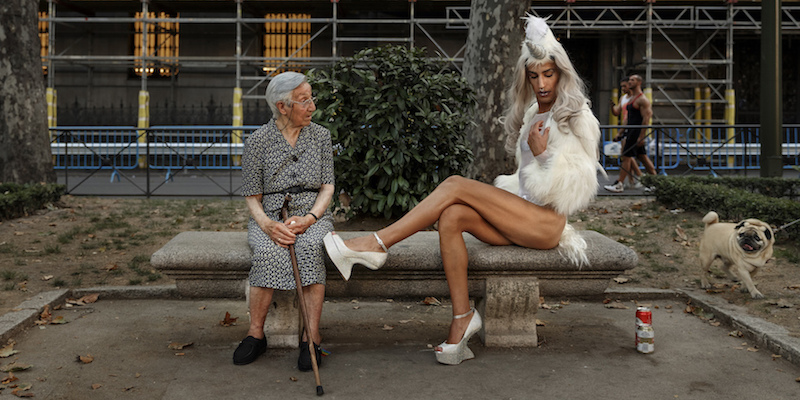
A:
<point x="539" y="39"/>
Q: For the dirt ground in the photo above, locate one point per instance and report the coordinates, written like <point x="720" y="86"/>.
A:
<point x="90" y="241"/>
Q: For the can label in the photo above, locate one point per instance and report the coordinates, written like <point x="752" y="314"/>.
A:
<point x="645" y="339"/>
<point x="644" y="316"/>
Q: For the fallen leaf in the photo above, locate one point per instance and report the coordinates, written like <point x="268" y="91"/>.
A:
<point x="431" y="301"/>
<point x="735" y="333"/>
<point x="90" y="298"/>
<point x="714" y="323"/>
<point x="776" y="356"/>
<point x="111" y="267"/>
<point x="293" y="379"/>
<point x="201" y="308"/>
<point x="179" y="346"/>
<point x="10" y="378"/>
<point x="45" y="314"/>
<point x="96" y="386"/>
<point x="8" y="351"/>
<point x="681" y="234"/>
<point x="15" y="367"/>
<point x="793" y="287"/>
<point x="752" y="349"/>
<point x="540" y="322"/>
<point x="47" y="277"/>
<point x="228" y="321"/>
<point x="621" y="280"/>
<point x="85" y="359"/>
<point x="180" y="354"/>
<point x="22" y="388"/>
<point x="387" y="327"/>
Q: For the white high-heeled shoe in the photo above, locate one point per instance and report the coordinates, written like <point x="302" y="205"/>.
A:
<point x="344" y="258"/>
<point x="454" y="354"/>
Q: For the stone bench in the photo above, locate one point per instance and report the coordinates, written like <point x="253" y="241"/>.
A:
<point x="505" y="281"/>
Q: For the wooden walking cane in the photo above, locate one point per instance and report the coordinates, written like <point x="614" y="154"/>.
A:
<point x="298" y="283"/>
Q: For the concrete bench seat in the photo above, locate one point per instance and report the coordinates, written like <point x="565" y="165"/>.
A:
<point x="505" y="281"/>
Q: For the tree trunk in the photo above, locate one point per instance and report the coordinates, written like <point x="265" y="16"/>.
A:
<point x="24" y="140"/>
<point x="493" y="46"/>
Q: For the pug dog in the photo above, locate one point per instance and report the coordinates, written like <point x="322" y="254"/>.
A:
<point x="743" y="248"/>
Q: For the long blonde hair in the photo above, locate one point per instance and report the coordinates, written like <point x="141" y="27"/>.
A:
<point x="571" y="94"/>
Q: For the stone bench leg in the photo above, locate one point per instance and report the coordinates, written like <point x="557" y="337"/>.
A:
<point x="509" y="312"/>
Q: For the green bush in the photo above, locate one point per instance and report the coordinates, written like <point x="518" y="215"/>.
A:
<point x="738" y="201"/>
<point x="18" y="200"/>
<point x="398" y="122"/>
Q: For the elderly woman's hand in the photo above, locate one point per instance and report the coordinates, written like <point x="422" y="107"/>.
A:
<point x="279" y="232"/>
<point x="299" y="225"/>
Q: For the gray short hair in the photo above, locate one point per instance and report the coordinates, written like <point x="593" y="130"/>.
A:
<point x="280" y="89"/>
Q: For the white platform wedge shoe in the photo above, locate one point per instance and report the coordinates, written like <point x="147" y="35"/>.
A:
<point x="344" y="258"/>
<point x="454" y="354"/>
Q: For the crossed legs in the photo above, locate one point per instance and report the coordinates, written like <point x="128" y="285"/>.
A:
<point x="492" y="215"/>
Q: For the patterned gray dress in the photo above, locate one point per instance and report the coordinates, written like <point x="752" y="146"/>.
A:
<point x="269" y="167"/>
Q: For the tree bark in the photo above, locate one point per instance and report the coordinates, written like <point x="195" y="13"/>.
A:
<point x="24" y="139"/>
<point x="493" y="46"/>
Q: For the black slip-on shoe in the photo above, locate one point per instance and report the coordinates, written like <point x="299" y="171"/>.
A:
<point x="249" y="350"/>
<point x="304" y="361"/>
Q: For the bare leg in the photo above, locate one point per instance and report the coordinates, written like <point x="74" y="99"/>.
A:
<point x="648" y="165"/>
<point x="519" y="221"/>
<point x="624" y="168"/>
<point x="454" y="220"/>
<point x="314" y="296"/>
<point x="260" y="300"/>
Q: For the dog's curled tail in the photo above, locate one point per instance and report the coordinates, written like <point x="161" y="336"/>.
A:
<point x="711" y="218"/>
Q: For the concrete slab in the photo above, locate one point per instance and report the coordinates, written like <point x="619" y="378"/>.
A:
<point x="382" y="349"/>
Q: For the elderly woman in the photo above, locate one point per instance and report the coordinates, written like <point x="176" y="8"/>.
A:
<point x="555" y="138"/>
<point x="289" y="154"/>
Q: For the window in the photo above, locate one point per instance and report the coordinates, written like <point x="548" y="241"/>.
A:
<point x="286" y="39"/>
<point x="163" y="41"/>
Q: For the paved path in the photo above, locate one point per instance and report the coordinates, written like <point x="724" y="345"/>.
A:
<point x="586" y="352"/>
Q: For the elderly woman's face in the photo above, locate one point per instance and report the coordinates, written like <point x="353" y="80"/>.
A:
<point x="544" y="80"/>
<point x="301" y="107"/>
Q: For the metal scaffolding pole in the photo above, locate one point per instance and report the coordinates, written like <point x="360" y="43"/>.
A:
<point x="771" y="107"/>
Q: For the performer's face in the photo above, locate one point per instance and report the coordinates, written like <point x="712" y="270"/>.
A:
<point x="544" y="80"/>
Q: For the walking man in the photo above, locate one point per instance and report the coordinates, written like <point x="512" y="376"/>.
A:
<point x="640" y="111"/>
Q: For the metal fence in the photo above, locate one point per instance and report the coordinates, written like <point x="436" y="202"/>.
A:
<point x="214" y="152"/>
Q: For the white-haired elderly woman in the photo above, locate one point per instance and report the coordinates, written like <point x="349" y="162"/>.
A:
<point x="288" y="154"/>
<point x="555" y="138"/>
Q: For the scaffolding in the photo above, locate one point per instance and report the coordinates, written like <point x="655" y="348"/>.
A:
<point x="680" y="74"/>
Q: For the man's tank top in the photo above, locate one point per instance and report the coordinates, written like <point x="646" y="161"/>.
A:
<point x="634" y="115"/>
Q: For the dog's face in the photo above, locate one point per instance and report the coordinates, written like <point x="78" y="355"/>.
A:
<point x="753" y="236"/>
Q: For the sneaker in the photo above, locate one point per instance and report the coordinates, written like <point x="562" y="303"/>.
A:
<point x="616" y="187"/>
<point x="649" y="189"/>
<point x="638" y="185"/>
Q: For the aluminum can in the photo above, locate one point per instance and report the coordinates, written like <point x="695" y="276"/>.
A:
<point x="644" y="316"/>
<point x="645" y="339"/>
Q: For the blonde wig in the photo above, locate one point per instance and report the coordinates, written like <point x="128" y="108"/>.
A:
<point x="540" y="47"/>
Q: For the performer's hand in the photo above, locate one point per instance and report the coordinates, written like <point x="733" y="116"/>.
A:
<point x="537" y="140"/>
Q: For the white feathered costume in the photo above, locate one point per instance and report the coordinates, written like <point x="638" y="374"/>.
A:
<point x="567" y="179"/>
